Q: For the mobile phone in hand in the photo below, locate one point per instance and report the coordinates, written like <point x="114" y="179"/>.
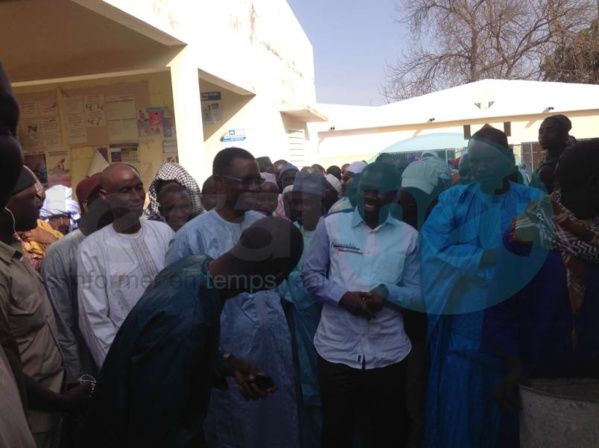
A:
<point x="264" y="382"/>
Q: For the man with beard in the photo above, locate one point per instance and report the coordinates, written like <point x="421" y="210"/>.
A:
<point x="117" y="263"/>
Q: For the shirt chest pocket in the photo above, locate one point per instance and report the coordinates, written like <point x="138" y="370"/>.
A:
<point x="26" y="313"/>
<point x="387" y="262"/>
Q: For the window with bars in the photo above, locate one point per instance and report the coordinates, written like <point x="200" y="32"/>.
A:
<point x="297" y="140"/>
<point x="531" y="154"/>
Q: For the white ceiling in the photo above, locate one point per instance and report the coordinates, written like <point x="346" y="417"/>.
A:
<point x="49" y="39"/>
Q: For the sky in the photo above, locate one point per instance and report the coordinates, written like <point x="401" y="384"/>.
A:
<point x="352" y="41"/>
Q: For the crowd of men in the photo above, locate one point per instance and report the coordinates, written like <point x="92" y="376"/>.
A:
<point x="385" y="304"/>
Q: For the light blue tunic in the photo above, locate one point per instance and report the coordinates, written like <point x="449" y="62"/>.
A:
<point x="252" y="327"/>
<point x="305" y="316"/>
<point x="461" y="412"/>
<point x="208" y="234"/>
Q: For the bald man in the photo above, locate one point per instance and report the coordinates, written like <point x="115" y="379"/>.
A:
<point x="117" y="263"/>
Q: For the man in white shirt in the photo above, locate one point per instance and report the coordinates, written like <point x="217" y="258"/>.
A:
<point x="363" y="264"/>
<point x="117" y="263"/>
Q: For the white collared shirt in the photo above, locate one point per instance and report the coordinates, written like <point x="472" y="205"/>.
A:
<point x="347" y="255"/>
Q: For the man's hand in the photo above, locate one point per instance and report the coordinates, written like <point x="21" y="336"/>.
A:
<point x="38" y="234"/>
<point x="355" y="303"/>
<point x="77" y="397"/>
<point x="245" y="374"/>
<point x="43" y="399"/>
<point x="507" y="393"/>
<point x="374" y="301"/>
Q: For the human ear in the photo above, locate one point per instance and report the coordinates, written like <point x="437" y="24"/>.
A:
<point x="220" y="184"/>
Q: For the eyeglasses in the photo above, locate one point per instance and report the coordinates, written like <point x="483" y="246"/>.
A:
<point x="257" y="181"/>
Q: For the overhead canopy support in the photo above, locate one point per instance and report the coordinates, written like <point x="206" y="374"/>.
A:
<point x="306" y="114"/>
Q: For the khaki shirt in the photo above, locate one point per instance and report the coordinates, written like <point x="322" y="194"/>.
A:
<point x="14" y="431"/>
<point x="24" y="302"/>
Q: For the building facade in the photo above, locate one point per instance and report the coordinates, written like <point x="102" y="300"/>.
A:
<point x="149" y="81"/>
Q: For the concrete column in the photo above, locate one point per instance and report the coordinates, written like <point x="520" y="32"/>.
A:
<point x="188" y="116"/>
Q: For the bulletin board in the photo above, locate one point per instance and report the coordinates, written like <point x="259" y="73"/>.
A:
<point x="57" y="125"/>
<point x="39" y="122"/>
<point x="41" y="135"/>
<point x="101" y="115"/>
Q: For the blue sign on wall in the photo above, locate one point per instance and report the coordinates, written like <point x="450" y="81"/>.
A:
<point x="210" y="96"/>
<point x="234" y="135"/>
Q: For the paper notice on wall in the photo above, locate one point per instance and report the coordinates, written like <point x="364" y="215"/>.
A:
<point x="99" y="161"/>
<point x="115" y="155"/>
<point x="169" y="127"/>
<point x="169" y="146"/>
<point x="156" y="118"/>
<point x="170" y="158"/>
<point x="94" y="111"/>
<point x="122" y="130"/>
<point x="129" y="154"/>
<point x="125" y="152"/>
<point x="120" y="107"/>
<point x="152" y="122"/>
<point x="211" y="110"/>
<point x="75" y="120"/>
<point x="39" y="127"/>
<point x="76" y="132"/>
<point x="59" y="168"/>
<point x="28" y="109"/>
<point x="51" y="135"/>
<point x="74" y="105"/>
<point x="31" y="135"/>
<point x="48" y="108"/>
<point x="143" y="123"/>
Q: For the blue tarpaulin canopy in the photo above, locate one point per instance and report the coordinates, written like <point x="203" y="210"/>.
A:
<point x="440" y="141"/>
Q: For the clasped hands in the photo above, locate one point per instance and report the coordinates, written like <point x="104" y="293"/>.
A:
<point x="363" y="304"/>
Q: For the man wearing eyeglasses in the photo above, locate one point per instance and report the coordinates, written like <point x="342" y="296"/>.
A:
<point x="253" y="326"/>
<point x="236" y="180"/>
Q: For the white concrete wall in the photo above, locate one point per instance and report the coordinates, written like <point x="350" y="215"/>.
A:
<point x="352" y="132"/>
<point x="254" y="52"/>
<point x="256" y="44"/>
<point x="346" y="145"/>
